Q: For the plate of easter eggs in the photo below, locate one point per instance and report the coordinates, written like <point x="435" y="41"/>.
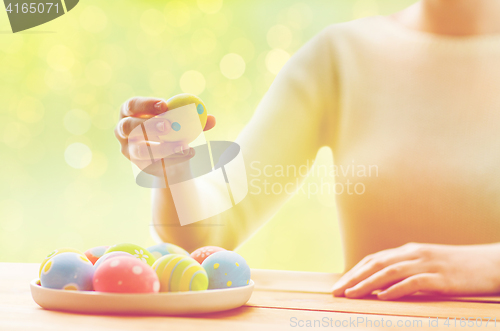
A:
<point x="127" y="279"/>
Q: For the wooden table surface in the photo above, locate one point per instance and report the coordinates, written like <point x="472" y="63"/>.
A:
<point x="281" y="300"/>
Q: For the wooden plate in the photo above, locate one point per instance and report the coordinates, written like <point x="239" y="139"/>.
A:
<point x="177" y="303"/>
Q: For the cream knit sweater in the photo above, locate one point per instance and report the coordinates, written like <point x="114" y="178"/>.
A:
<point x="424" y="109"/>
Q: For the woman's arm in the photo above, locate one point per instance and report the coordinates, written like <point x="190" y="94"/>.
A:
<point x="294" y="119"/>
<point x="441" y="269"/>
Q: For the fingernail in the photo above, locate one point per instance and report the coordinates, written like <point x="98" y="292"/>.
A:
<point x="160" y="126"/>
<point x="159" y="105"/>
<point x="178" y="149"/>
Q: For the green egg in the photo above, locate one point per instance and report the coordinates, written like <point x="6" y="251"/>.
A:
<point x="137" y="251"/>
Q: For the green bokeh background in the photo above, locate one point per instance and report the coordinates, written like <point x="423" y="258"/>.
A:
<point x="61" y="85"/>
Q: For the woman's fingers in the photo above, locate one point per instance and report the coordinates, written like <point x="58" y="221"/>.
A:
<point x="424" y="282"/>
<point x="143" y="107"/>
<point x="384" y="278"/>
<point x="365" y="269"/>
<point x="141" y="129"/>
<point x="154" y="151"/>
<point x="126" y="126"/>
<point x="210" y="122"/>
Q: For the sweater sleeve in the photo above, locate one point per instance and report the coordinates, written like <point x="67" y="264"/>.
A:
<point x="293" y="120"/>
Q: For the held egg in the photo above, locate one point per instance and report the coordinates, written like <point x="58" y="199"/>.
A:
<point x="187" y="116"/>
<point x="111" y="255"/>
<point x="68" y="271"/>
<point x="203" y="252"/>
<point x="54" y="253"/>
<point x="183" y="99"/>
<point x="125" y="274"/>
<point x="162" y="249"/>
<point x="180" y="273"/>
<point x="137" y="251"/>
<point x="95" y="253"/>
<point x="226" y="269"/>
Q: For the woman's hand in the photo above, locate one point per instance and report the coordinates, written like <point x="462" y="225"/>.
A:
<point x="137" y="111"/>
<point x="440" y="269"/>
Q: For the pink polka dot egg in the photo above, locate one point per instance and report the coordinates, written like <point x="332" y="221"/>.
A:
<point x="68" y="271"/>
<point x="203" y="252"/>
<point x="124" y="274"/>
<point x="110" y="256"/>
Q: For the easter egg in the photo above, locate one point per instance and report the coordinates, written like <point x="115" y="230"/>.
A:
<point x="187" y="116"/>
<point x="165" y="249"/>
<point x="226" y="269"/>
<point x="203" y="252"/>
<point x="180" y="273"/>
<point x="95" y="253"/>
<point x="125" y="274"/>
<point x="68" y="271"/>
<point x="110" y="256"/>
<point x="54" y="253"/>
<point x="185" y="99"/>
<point x="137" y="251"/>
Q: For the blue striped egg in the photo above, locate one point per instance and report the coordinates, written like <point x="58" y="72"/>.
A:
<point x="178" y="273"/>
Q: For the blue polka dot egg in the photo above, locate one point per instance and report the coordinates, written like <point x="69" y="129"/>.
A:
<point x="163" y="249"/>
<point x="226" y="269"/>
<point x="68" y="271"/>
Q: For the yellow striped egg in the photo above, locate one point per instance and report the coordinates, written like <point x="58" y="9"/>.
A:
<point x="180" y="273"/>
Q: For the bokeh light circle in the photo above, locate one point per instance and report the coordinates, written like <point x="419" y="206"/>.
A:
<point x="78" y="155"/>
<point x="276" y="59"/>
<point x="193" y="82"/>
<point x="232" y="66"/>
<point x="77" y="121"/>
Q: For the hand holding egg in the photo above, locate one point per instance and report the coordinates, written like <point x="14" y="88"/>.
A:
<point x="152" y="114"/>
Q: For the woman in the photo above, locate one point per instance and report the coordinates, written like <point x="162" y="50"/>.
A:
<point x="417" y="94"/>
